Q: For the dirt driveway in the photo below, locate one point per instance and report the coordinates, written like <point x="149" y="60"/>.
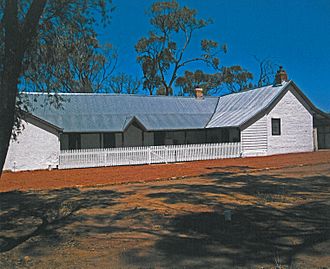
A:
<point x="279" y="217"/>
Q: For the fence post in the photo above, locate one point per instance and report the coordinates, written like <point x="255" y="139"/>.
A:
<point x="166" y="154"/>
<point x="149" y="155"/>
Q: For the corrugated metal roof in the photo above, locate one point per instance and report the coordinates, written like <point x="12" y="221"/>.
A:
<point x="235" y="109"/>
<point x="112" y="113"/>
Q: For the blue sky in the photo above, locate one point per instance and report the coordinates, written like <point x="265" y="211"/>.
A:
<point x="296" y="34"/>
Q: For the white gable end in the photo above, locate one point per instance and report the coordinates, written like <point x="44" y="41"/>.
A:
<point x="296" y="129"/>
<point x="35" y="148"/>
<point x="296" y="126"/>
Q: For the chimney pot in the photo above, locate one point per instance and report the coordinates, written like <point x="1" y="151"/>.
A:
<point x="199" y="93"/>
<point x="281" y="76"/>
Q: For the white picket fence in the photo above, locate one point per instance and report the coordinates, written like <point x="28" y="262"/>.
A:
<point x="147" y="155"/>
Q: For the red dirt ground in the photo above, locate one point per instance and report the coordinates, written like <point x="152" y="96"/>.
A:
<point x="56" y="179"/>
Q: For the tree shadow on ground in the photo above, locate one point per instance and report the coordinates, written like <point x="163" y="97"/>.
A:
<point x="258" y="233"/>
<point x="241" y="168"/>
<point x="253" y="236"/>
<point x="25" y="215"/>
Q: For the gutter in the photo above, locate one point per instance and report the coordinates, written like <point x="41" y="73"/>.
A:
<point x="30" y="115"/>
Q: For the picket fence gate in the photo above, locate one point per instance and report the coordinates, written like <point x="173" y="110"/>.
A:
<point x="83" y="158"/>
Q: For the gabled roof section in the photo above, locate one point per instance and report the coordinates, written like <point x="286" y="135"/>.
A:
<point x="233" y="110"/>
<point x="112" y="113"/>
<point x="315" y="110"/>
<point x="131" y="120"/>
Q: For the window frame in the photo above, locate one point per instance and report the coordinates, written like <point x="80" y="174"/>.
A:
<point x="274" y="131"/>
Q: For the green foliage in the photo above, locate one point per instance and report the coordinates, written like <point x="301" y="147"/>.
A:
<point x="233" y="79"/>
<point x="61" y="55"/>
<point x="236" y="79"/>
<point x="65" y="55"/>
<point x="162" y="53"/>
<point x="198" y="79"/>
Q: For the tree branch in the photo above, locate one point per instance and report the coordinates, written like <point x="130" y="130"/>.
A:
<point x="31" y="22"/>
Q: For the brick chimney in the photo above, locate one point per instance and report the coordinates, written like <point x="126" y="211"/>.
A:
<point x="280" y="76"/>
<point x="199" y="93"/>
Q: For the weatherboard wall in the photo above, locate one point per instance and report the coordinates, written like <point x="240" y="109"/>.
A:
<point x="296" y="129"/>
<point x="37" y="147"/>
<point x="254" y="138"/>
<point x="296" y="126"/>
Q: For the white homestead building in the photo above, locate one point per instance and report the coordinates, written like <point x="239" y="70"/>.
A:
<point x="106" y="129"/>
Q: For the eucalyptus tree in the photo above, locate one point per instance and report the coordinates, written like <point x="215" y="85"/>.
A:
<point x="165" y="54"/>
<point x="123" y="83"/>
<point x="162" y="54"/>
<point x="47" y="46"/>
<point x="230" y="79"/>
<point x="267" y="70"/>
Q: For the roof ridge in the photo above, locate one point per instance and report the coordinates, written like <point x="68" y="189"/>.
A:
<point x="144" y="95"/>
<point x="254" y="89"/>
<point x="114" y="94"/>
<point x="214" y="110"/>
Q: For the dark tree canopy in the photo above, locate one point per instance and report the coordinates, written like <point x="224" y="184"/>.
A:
<point x="64" y="55"/>
<point x="48" y="46"/>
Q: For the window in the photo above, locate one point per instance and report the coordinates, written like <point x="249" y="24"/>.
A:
<point x="74" y="141"/>
<point x="90" y="141"/>
<point x="234" y="135"/>
<point x="109" y="140"/>
<point x="213" y="135"/>
<point x="225" y="135"/>
<point x="64" y="141"/>
<point x="159" y="138"/>
<point x="276" y="126"/>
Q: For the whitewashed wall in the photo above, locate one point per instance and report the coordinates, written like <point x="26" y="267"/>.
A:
<point x="296" y="126"/>
<point x="296" y="130"/>
<point x="254" y="138"/>
<point x="36" y="148"/>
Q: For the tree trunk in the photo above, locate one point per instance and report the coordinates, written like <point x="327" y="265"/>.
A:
<point x="9" y="77"/>
<point x="17" y="42"/>
<point x="8" y="94"/>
